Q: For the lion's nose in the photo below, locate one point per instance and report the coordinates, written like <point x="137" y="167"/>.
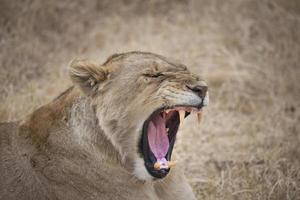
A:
<point x="200" y="90"/>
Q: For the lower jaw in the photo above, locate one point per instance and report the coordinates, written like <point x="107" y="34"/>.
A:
<point x="161" y="173"/>
<point x="158" y="173"/>
<point x="150" y="159"/>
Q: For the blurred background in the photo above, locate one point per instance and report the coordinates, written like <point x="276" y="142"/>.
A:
<point x="248" y="144"/>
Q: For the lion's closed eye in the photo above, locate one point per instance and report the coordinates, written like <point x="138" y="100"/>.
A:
<point x="153" y="75"/>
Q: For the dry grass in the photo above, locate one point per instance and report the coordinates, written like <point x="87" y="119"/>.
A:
<point x="249" y="51"/>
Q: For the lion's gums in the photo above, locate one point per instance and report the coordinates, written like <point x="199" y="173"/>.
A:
<point x="247" y="146"/>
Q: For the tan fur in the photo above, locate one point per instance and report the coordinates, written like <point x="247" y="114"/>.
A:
<point x="84" y="144"/>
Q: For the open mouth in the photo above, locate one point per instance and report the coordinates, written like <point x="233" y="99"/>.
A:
<point x="159" y="135"/>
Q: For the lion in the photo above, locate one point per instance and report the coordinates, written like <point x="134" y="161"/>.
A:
<point x="109" y="136"/>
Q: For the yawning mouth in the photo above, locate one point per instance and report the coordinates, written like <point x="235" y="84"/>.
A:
<point x="159" y="135"/>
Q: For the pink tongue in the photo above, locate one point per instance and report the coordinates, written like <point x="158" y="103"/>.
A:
<point x="157" y="137"/>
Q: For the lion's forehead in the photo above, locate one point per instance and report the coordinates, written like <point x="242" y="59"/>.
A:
<point x="176" y="71"/>
<point x="142" y="61"/>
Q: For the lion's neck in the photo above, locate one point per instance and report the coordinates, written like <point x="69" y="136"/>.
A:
<point x="87" y="132"/>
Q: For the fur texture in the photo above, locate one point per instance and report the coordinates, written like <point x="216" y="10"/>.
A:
<point x="84" y="144"/>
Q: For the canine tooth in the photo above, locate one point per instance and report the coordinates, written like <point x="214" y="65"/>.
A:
<point x="199" y="116"/>
<point x="181" y="116"/>
<point x="167" y="129"/>
<point x="167" y="111"/>
<point x="157" y="165"/>
<point x="171" y="163"/>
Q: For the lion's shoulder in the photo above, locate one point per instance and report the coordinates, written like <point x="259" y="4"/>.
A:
<point x="37" y="125"/>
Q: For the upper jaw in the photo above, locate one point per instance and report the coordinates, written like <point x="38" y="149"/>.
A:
<point x="186" y="109"/>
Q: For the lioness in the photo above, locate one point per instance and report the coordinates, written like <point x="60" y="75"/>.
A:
<point x="110" y="136"/>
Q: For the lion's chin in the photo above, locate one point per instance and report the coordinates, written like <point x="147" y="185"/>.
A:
<point x="159" y="135"/>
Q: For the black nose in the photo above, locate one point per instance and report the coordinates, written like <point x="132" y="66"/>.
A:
<point x="199" y="90"/>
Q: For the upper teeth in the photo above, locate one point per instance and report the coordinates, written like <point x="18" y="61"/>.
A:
<point x="183" y="110"/>
<point x="181" y="116"/>
<point x="199" y="116"/>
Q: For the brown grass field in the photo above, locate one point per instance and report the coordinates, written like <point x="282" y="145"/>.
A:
<point x="248" y="144"/>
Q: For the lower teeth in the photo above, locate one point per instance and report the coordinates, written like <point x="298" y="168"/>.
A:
<point x="164" y="165"/>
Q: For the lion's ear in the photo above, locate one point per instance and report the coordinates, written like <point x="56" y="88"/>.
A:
<point x="87" y="75"/>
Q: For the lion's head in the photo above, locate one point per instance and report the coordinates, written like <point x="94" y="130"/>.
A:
<point x="140" y="100"/>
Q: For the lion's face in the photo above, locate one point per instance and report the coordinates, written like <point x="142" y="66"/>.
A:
<point x="140" y="100"/>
